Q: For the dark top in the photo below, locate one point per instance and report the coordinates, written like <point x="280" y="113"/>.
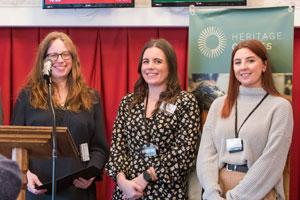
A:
<point x="175" y="135"/>
<point x="85" y="127"/>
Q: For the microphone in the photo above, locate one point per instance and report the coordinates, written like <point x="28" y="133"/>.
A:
<point x="47" y="69"/>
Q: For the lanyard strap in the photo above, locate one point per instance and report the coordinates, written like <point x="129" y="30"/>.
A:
<point x="148" y="130"/>
<point x="236" y="115"/>
<point x="147" y="121"/>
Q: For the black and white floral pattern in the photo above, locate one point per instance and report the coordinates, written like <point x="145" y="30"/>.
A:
<point x="175" y="136"/>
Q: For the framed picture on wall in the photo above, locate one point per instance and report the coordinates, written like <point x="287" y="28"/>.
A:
<point x="63" y="4"/>
<point x="174" y="3"/>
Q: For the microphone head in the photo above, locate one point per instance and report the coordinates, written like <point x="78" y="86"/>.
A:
<point x="47" y="68"/>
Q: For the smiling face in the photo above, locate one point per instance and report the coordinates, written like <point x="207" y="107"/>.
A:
<point x="155" y="68"/>
<point x="61" y="67"/>
<point x="248" y="68"/>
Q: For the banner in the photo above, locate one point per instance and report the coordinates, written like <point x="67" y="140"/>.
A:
<point x="214" y="33"/>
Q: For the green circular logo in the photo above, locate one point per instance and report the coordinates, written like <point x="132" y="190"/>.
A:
<point x="212" y="42"/>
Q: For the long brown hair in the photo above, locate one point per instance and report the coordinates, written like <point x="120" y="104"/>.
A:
<point x="80" y="96"/>
<point x="267" y="80"/>
<point x="173" y="84"/>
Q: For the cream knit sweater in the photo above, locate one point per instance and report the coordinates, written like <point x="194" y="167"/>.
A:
<point x="266" y="136"/>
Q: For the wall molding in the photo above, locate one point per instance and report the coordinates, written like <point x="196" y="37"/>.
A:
<point x="35" y="16"/>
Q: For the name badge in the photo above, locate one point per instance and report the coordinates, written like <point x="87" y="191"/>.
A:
<point x="170" y="108"/>
<point x="234" y="145"/>
<point x="149" y="151"/>
<point x="84" y="152"/>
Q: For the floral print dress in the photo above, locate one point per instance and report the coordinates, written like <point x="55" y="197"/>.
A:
<point x="174" y="134"/>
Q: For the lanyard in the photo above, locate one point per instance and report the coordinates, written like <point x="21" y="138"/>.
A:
<point x="147" y="121"/>
<point x="236" y="115"/>
<point x="148" y="132"/>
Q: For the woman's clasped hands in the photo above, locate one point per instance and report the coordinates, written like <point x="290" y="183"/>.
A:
<point x="133" y="189"/>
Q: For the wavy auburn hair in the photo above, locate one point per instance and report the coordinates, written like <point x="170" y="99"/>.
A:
<point x="80" y="96"/>
<point x="267" y="80"/>
<point x="173" y="84"/>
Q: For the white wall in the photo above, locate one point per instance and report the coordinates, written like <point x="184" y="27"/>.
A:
<point x="21" y="13"/>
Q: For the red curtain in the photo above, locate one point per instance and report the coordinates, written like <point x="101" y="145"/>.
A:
<point x="109" y="58"/>
<point x="295" y="149"/>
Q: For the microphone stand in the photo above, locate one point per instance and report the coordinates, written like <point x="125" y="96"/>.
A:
<point x="49" y="83"/>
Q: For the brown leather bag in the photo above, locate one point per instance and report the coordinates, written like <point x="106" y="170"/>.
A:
<point x="229" y="179"/>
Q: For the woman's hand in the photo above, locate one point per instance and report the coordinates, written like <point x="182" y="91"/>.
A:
<point x="83" y="183"/>
<point x="140" y="181"/>
<point x="130" y="189"/>
<point x="32" y="181"/>
<point x="140" y="178"/>
<point x="151" y="171"/>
